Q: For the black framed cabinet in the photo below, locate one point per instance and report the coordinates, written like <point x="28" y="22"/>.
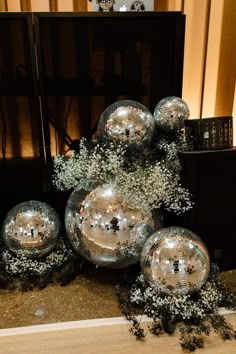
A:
<point x="23" y="168"/>
<point x="59" y="71"/>
<point x="89" y="60"/>
<point x="211" y="178"/>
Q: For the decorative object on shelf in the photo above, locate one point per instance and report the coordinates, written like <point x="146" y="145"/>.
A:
<point x="104" y="229"/>
<point x="31" y="229"/>
<point x="170" y="114"/>
<point x="193" y="315"/>
<point x="127" y="121"/>
<point x="137" y="6"/>
<point x="105" y="5"/>
<point x="210" y="133"/>
<point x="123" y="5"/>
<point x="175" y="258"/>
<point x="135" y="180"/>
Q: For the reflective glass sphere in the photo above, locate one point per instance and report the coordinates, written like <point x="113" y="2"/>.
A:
<point x="175" y="258"/>
<point x="170" y="113"/>
<point x="104" y="229"/>
<point x="127" y="121"/>
<point x="31" y="229"/>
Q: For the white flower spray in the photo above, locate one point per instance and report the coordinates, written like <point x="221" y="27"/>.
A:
<point x="148" y="185"/>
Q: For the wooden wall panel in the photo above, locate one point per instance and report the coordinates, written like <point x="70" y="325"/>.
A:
<point x="227" y="61"/>
<point x="65" y="5"/>
<point x="25" y="5"/>
<point x="80" y="5"/>
<point x="221" y="57"/>
<point x="194" y="53"/>
<point x="89" y="5"/>
<point x="168" y="5"/>
<point x="3" y="5"/>
<point x="161" y="5"/>
<point x="40" y="6"/>
<point x="212" y="60"/>
<point x="13" y="5"/>
<point x="234" y="116"/>
<point x="53" y="6"/>
<point x="175" y="5"/>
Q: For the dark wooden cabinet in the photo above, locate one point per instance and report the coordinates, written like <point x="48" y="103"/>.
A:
<point x="59" y="71"/>
<point x="211" y="178"/>
<point x="100" y="58"/>
<point x="22" y="159"/>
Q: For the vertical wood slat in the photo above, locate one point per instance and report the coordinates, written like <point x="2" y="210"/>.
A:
<point x="65" y="5"/>
<point x="212" y="60"/>
<point x="13" y="5"/>
<point x="89" y="6"/>
<point x="168" y="5"/>
<point x="80" y="5"/>
<point x="160" y="5"/>
<point x="220" y="70"/>
<point x="234" y="116"/>
<point x="53" y="6"/>
<point x="174" y="5"/>
<point x="42" y="5"/>
<point x="25" y="5"/>
<point x="3" y="5"/>
<point x="227" y="61"/>
<point x="197" y="13"/>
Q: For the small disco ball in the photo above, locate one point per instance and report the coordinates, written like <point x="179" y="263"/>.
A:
<point x="31" y="229"/>
<point x="170" y="114"/>
<point x="127" y="121"/>
<point x="175" y="258"/>
<point x="104" y="229"/>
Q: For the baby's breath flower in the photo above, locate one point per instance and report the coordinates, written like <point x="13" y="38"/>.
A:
<point x="144" y="185"/>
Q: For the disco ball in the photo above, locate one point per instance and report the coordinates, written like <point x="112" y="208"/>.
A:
<point x="170" y="114"/>
<point x="127" y="121"/>
<point x="31" y="229"/>
<point x="175" y="258"/>
<point x="104" y="229"/>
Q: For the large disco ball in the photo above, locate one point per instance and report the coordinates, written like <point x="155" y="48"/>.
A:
<point x="127" y="121"/>
<point x="175" y="258"/>
<point x="104" y="229"/>
<point x="31" y="229"/>
<point x="170" y="114"/>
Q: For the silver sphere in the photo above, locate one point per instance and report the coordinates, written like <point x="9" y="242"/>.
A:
<point x="127" y="121"/>
<point x="175" y="258"/>
<point x="104" y="229"/>
<point x="170" y="113"/>
<point x="31" y="229"/>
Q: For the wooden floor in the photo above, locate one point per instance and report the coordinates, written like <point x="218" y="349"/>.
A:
<point x="99" y="337"/>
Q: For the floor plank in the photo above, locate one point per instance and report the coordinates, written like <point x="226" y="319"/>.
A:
<point x="112" y="339"/>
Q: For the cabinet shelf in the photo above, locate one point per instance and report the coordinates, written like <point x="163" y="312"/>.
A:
<point x="13" y="87"/>
<point x="87" y="86"/>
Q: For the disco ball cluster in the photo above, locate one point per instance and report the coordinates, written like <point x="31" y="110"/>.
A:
<point x="131" y="122"/>
<point x="100" y="224"/>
